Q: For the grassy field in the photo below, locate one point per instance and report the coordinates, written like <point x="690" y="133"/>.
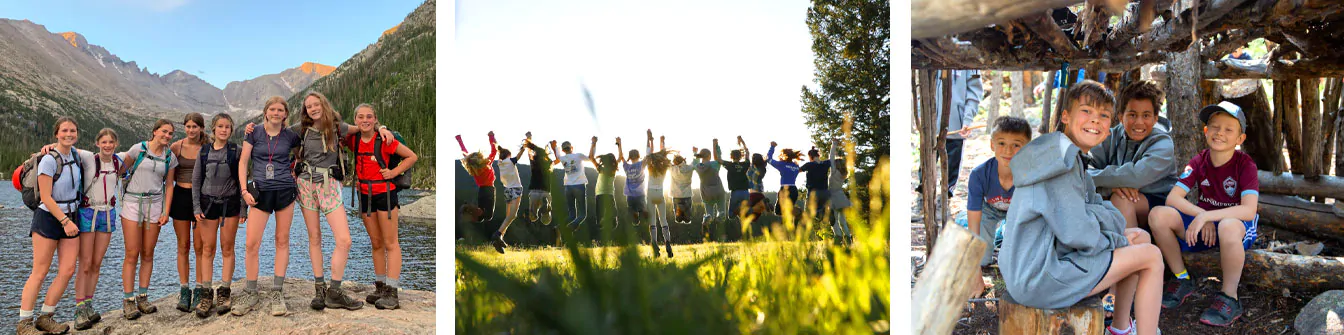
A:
<point x="784" y="282"/>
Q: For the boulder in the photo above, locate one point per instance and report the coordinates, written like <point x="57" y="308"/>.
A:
<point x="1323" y="315"/>
<point x="422" y="209"/>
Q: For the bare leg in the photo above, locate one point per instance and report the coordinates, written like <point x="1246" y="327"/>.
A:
<point x="205" y="262"/>
<point x="43" y="249"/>
<point x="1125" y="289"/>
<point x="84" y="270"/>
<point x="284" y="218"/>
<point x="511" y="213"/>
<point x="151" y="239"/>
<point x="256" y="226"/>
<point x="183" y="230"/>
<point x="101" y="240"/>
<point x="131" y="233"/>
<point x="1167" y="225"/>
<point x="1233" y="254"/>
<point x="67" y="252"/>
<point x="1143" y="262"/>
<point x="340" y="231"/>
<point x="391" y="243"/>
<point x="376" y="242"/>
<point x="227" y="242"/>
<point x="1127" y="209"/>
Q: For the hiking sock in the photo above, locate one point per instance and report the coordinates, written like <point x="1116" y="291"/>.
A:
<point x="48" y="309"/>
<point x="226" y="283"/>
<point x="319" y="280"/>
<point x="144" y="291"/>
<point x="380" y="278"/>
<point x="250" y="286"/>
<point x="80" y="301"/>
<point x="128" y="295"/>
<point x="25" y="315"/>
<point x="336" y="284"/>
<point x="185" y="286"/>
<point x="279" y="282"/>
<point x="392" y="282"/>
<point x="1185" y="274"/>
<point x="206" y="284"/>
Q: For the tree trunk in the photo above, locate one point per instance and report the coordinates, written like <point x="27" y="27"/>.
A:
<point x="1019" y="101"/>
<point x="1312" y="140"/>
<point x="1285" y="183"/>
<point x="1329" y="108"/>
<point x="1047" y="106"/>
<point x="1301" y="216"/>
<point x="995" y="93"/>
<point x="944" y="183"/>
<point x="928" y="157"/>
<point x="1086" y="317"/>
<point x="1274" y="270"/>
<point x="1183" y="104"/>
<point x="1250" y="95"/>
<point x="1029" y="81"/>
<point x="942" y="289"/>
<point x="1286" y="100"/>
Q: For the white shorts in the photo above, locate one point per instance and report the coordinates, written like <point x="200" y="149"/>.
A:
<point x="137" y="209"/>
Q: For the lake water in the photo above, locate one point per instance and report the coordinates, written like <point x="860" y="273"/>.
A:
<point x="417" y="243"/>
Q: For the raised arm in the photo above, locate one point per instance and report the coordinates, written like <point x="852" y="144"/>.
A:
<point x="493" y="145"/>
<point x="620" y="152"/>
<point x="650" y="144"/>
<point x="461" y="145"/>
<point x="557" y="154"/>
<point x="662" y="143"/>
<point x="592" y="150"/>
<point x="770" y="155"/>
<point x="717" y="155"/>
<point x="746" y="154"/>
<point x="831" y="154"/>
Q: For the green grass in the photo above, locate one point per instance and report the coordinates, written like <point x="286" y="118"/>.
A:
<point x="786" y="281"/>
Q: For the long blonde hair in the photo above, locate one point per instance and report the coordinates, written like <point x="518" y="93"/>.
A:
<point x="327" y="124"/>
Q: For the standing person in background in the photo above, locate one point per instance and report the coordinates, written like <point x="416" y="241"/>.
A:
<point x="818" y="174"/>
<point x="658" y="164"/>
<point x="478" y="166"/>
<point x="787" y="165"/>
<point x="966" y="94"/>
<point x="634" y="178"/>
<point x="184" y="221"/>
<point x="217" y="204"/>
<point x="576" y="180"/>
<point x="711" y="189"/>
<point x="539" y="183"/>
<point x="55" y="230"/>
<point x="513" y="192"/>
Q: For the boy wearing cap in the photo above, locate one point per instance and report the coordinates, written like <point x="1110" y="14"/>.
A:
<point x="1225" y="216"/>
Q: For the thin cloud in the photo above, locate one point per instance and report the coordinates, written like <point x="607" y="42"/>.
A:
<point x="160" y="6"/>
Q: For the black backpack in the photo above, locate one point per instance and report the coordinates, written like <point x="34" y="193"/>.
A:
<point x="402" y="181"/>
<point x="31" y="197"/>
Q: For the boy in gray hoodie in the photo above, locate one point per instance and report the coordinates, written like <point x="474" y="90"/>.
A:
<point x="1135" y="169"/>
<point x="1061" y="241"/>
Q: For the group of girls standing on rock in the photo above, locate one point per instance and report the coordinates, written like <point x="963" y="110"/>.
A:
<point x="645" y="194"/>
<point x="203" y="183"/>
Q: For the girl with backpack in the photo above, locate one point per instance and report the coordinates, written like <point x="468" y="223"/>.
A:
<point x="144" y="212"/>
<point x="55" y="229"/>
<point x="184" y="220"/>
<point x="272" y="190"/>
<point x="216" y="205"/>
<point x="98" y="220"/>
<point x="376" y="182"/>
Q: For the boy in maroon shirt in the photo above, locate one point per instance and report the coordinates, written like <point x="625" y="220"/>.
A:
<point x="1225" y="216"/>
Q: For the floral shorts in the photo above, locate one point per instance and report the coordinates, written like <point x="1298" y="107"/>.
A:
<point x="323" y="196"/>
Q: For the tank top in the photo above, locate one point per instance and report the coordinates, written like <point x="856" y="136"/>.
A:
<point x="186" y="167"/>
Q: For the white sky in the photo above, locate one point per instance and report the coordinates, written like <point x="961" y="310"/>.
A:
<point x="690" y="70"/>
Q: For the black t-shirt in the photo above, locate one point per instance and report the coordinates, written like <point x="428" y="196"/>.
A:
<point x="817" y="174"/>
<point x="541" y="171"/>
<point x="737" y="175"/>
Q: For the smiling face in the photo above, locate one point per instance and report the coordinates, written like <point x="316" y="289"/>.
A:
<point x="1005" y="145"/>
<point x="1139" y="118"/>
<point x="313" y="106"/>
<point x="223" y="129"/>
<point x="1223" y="132"/>
<point x="106" y="143"/>
<point x="193" y="129"/>
<point x="66" y="133"/>
<point x="365" y="119"/>
<point x="1087" y="124"/>
<point x="163" y="134"/>
<point x="276" y="113"/>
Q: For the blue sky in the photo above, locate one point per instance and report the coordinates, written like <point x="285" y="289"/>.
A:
<point x="691" y="70"/>
<point x="220" y="41"/>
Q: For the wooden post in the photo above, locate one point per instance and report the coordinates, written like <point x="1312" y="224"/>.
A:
<point x="1250" y="95"/>
<point x="1329" y="106"/>
<point x="1183" y="103"/>
<point x="928" y="157"/>
<point x="1286" y="100"/>
<point x="1312" y="143"/>
<point x="1322" y="187"/>
<point x="1019" y="99"/>
<point x="945" y="183"/>
<point x="942" y="289"/>
<point x="995" y="93"/>
<point x="1085" y="317"/>
<point x="1046" y="105"/>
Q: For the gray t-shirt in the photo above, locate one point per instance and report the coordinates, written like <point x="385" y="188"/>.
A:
<point x="272" y="153"/>
<point x="316" y="151"/>
<point x="67" y="186"/>
<point x="214" y="174"/>
<point x="148" y="177"/>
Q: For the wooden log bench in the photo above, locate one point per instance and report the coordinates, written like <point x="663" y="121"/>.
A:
<point x="1085" y="317"/>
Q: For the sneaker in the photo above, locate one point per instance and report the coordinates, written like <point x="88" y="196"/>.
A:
<point x="378" y="288"/>
<point x="278" y="307"/>
<point x="1176" y="292"/>
<point x="204" y="302"/>
<point x="245" y="303"/>
<point x="389" y="301"/>
<point x="223" y="302"/>
<point x="336" y="298"/>
<point x="47" y="323"/>
<point x="319" y="297"/>
<point x="655" y="250"/>
<point x="26" y="327"/>
<point x="498" y="241"/>
<point x="142" y="303"/>
<point x="1132" y="329"/>
<point x="1223" y="313"/>
<point x="128" y="309"/>
<point x="84" y="317"/>
<point x="184" y="300"/>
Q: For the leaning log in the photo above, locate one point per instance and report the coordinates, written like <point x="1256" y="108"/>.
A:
<point x="1300" y="216"/>
<point x="943" y="17"/>
<point x="1274" y="270"/>
<point x="1299" y="185"/>
<point x="942" y="289"/>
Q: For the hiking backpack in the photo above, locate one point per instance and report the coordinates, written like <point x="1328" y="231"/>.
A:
<point x="144" y="150"/>
<point x="401" y="181"/>
<point x="28" y="178"/>
<point x="98" y="172"/>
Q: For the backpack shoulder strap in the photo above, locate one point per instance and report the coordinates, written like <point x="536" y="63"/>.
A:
<point x="378" y="151"/>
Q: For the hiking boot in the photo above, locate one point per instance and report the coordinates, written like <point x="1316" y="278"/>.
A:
<point x="655" y="250"/>
<point x="278" y="307"/>
<point x="245" y="303"/>
<point x="47" y="323"/>
<point x="669" y="250"/>
<point x="184" y="300"/>
<point x="84" y="317"/>
<point x="204" y="302"/>
<point x="319" y="297"/>
<point x="26" y="327"/>
<point x="1176" y="292"/>
<point x="378" y="288"/>
<point x="389" y="301"/>
<point x="128" y="309"/>
<point x="336" y="298"/>
<point x="223" y="303"/>
<point x="498" y="241"/>
<point x="142" y="303"/>
<point x="546" y="216"/>
<point x="1223" y="313"/>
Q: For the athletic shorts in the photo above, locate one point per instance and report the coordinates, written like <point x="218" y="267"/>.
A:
<point x="271" y="201"/>
<point x="182" y="207"/>
<point x="711" y="195"/>
<point x="635" y="203"/>
<point x="381" y="202"/>
<point x="511" y="193"/>
<point x="45" y="225"/>
<point x="655" y="196"/>
<point x="142" y="209"/>
<point x="91" y="220"/>
<point x="1252" y="231"/>
<point x="323" y="196"/>
<point x="840" y="200"/>
<point x="681" y="207"/>
<point x="1155" y="200"/>
<point x="215" y="208"/>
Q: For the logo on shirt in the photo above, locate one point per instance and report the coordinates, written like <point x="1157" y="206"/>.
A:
<point x="1230" y="185"/>
<point x="1205" y="183"/>
<point x="1187" y="172"/>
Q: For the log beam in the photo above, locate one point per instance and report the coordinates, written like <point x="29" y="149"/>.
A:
<point x="1044" y="26"/>
<point x="1300" y="185"/>
<point x="942" y="289"/>
<point x="932" y="18"/>
<point x="1276" y="270"/>
<point x="1301" y="216"/>
<point x="1322" y="66"/>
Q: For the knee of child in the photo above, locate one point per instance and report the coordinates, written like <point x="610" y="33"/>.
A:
<point x="392" y="246"/>
<point x="226" y="252"/>
<point x="1231" y="228"/>
<point x="65" y="272"/>
<point x="343" y="243"/>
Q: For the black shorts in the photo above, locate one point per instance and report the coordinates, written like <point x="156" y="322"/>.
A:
<point x="381" y="202"/>
<point x="271" y="201"/>
<point x="216" y="208"/>
<point x="183" y="209"/>
<point x="45" y="225"/>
